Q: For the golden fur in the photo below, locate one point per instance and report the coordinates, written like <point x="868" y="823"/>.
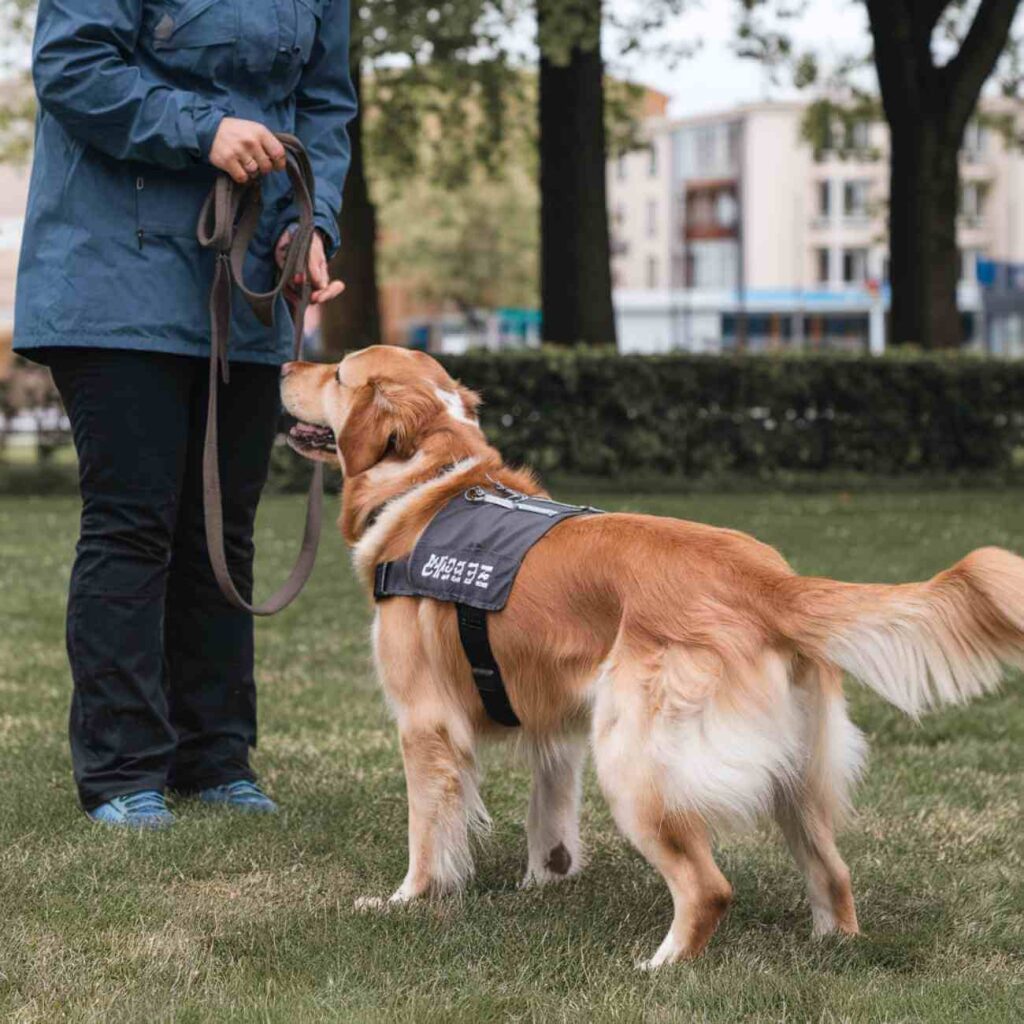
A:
<point x="708" y="674"/>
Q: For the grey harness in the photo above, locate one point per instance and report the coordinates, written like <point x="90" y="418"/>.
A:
<point x="469" y="556"/>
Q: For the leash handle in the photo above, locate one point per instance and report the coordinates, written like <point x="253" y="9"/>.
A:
<point x="227" y="224"/>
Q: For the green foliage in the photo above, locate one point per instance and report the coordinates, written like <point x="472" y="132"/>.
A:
<point x="692" y="418"/>
<point x="829" y="125"/>
<point x="474" y="246"/>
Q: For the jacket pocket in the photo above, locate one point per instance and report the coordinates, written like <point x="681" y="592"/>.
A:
<point x="168" y="204"/>
<point x="190" y="23"/>
<point x="308" y="14"/>
<point x="195" y="36"/>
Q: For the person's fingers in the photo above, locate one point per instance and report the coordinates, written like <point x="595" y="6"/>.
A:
<point x="237" y="171"/>
<point x="332" y="291"/>
<point x="318" y="273"/>
<point x="264" y="165"/>
<point x="274" y="150"/>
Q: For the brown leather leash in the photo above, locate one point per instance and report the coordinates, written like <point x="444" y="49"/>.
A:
<point x="229" y="219"/>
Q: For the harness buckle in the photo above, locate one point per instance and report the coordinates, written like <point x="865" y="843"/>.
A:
<point x="380" y="579"/>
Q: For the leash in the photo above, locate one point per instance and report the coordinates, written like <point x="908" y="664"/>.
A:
<point x="229" y="219"/>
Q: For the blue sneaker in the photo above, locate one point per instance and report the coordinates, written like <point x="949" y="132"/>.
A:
<point x="241" y="795"/>
<point x="146" y="809"/>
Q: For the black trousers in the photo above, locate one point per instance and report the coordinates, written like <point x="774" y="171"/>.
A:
<point x="162" y="665"/>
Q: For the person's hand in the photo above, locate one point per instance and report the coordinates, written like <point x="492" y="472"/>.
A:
<point x="324" y="289"/>
<point x="246" y="150"/>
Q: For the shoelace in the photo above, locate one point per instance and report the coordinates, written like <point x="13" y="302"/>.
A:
<point x="145" y="803"/>
<point x="245" y="788"/>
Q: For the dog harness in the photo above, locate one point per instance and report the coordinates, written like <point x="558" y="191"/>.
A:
<point x="469" y="555"/>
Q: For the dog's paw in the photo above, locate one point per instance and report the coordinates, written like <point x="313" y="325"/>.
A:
<point x="537" y="877"/>
<point x="556" y="866"/>
<point x="366" y="904"/>
<point x="667" y="953"/>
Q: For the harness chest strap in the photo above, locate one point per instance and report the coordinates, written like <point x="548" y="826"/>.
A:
<point x="469" y="555"/>
<point x="227" y="224"/>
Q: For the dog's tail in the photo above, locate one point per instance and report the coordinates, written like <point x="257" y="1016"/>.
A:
<point x="918" y="645"/>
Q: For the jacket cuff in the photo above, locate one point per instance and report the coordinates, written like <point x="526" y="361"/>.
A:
<point x="206" y="120"/>
<point x="327" y="222"/>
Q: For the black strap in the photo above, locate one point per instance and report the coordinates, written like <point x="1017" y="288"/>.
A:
<point x="227" y="224"/>
<point x="486" y="674"/>
<point x="476" y="644"/>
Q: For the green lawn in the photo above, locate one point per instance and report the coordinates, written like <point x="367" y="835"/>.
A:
<point x="232" y="919"/>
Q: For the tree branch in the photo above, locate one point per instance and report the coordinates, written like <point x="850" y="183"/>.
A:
<point x="904" y="64"/>
<point x="929" y="12"/>
<point x="968" y="71"/>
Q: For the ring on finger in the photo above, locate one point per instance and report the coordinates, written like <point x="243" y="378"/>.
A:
<point x="252" y="167"/>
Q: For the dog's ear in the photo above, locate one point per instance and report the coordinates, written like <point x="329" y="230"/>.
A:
<point x="471" y="402"/>
<point x="386" y="417"/>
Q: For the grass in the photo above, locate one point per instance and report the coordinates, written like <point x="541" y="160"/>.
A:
<point x="243" y="920"/>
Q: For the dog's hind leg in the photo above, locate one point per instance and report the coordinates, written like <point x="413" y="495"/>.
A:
<point x="552" y="823"/>
<point x="807" y="813"/>
<point x="677" y="844"/>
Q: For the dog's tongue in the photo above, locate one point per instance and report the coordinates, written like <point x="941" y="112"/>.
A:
<point x="309" y="432"/>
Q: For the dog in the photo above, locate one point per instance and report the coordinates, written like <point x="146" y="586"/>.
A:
<point x="705" y="674"/>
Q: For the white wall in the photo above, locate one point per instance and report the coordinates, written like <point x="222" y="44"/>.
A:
<point x="633" y="193"/>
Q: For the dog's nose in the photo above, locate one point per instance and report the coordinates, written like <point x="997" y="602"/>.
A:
<point x="287" y="368"/>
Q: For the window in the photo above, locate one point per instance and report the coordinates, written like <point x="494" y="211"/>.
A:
<point x="969" y="264"/>
<point x="825" y="199"/>
<point x="975" y="138"/>
<point x="858" y="136"/>
<point x="706" y="150"/>
<point x="855" y="266"/>
<point x="972" y="201"/>
<point x="823" y="265"/>
<point x="856" y="196"/>
<point x="734" y="139"/>
<point x="652" y="161"/>
<point x="713" y="264"/>
<point x="652" y="272"/>
<point x="652" y="218"/>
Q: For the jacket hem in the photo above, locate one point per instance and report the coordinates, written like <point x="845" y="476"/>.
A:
<point x="25" y="346"/>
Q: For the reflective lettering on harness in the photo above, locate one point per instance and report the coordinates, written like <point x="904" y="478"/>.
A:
<point x="449" y="569"/>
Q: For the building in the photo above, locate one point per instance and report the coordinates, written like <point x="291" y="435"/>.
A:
<point x="728" y="228"/>
<point x="13" y="195"/>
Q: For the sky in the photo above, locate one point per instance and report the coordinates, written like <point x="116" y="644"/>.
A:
<point x="715" y="78"/>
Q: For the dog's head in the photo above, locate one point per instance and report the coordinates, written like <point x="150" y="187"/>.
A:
<point x="379" y="402"/>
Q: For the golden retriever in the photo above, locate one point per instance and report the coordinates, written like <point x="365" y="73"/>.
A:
<point x="706" y="673"/>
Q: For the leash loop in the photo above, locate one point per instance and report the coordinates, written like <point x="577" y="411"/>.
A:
<point x="228" y="222"/>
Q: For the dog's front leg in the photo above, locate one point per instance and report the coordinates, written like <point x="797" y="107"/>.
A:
<point x="444" y="805"/>
<point x="438" y="751"/>
<point x="552" y="823"/>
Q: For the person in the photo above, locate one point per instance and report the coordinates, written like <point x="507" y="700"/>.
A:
<point x="141" y="104"/>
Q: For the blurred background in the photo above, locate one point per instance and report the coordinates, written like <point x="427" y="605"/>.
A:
<point x="583" y="186"/>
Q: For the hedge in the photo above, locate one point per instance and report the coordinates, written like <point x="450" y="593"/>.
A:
<point x="713" y="420"/>
<point x="597" y="413"/>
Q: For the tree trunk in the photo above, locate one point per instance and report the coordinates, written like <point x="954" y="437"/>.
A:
<point x="575" y="265"/>
<point x="924" y="255"/>
<point x="928" y="107"/>
<point x="353" y="320"/>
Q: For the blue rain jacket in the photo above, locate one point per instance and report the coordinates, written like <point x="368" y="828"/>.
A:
<point x="131" y="93"/>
